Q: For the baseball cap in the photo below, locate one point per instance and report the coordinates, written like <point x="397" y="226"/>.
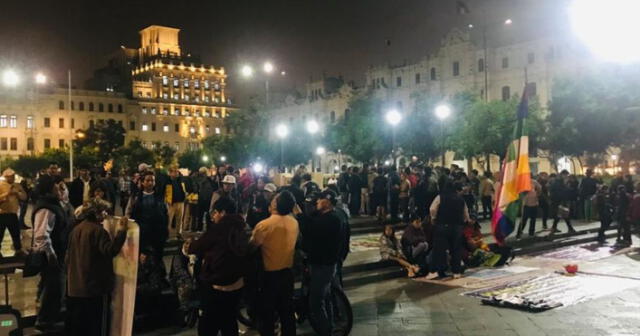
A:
<point x="229" y="179"/>
<point x="330" y="195"/>
<point x="142" y="167"/>
<point x="8" y="172"/>
<point x="270" y="187"/>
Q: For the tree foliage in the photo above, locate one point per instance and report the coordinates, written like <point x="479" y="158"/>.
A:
<point x="101" y="140"/>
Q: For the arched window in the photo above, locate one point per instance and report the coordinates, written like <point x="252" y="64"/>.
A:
<point x="333" y="116"/>
<point x="481" y="65"/>
<point x="61" y="105"/>
<point x="433" y="74"/>
<point x="110" y="107"/>
<point x="506" y="93"/>
<point x="91" y="106"/>
<point x="120" y="108"/>
<point x="81" y="106"/>
<point x="101" y="107"/>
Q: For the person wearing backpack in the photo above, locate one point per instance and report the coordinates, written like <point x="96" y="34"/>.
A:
<point x="308" y="186"/>
<point x="224" y="249"/>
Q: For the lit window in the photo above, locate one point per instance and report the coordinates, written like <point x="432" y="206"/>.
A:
<point x="217" y="130"/>
<point x="29" y="121"/>
<point x="196" y="113"/>
<point x="176" y="111"/>
<point x="144" y="110"/>
<point x="196" y="84"/>
<point x="165" y="80"/>
<point x="206" y="113"/>
<point x="192" y="130"/>
<point x="165" y="111"/>
<point x="139" y="93"/>
<point x="165" y="96"/>
<point x="176" y="96"/>
<point x="176" y="82"/>
<point x="186" y="97"/>
<point x="3" y="120"/>
<point x="145" y="127"/>
<point x="153" y="110"/>
<point x="13" y="122"/>
<point x="177" y="145"/>
<point x="196" y="98"/>
<point x="216" y="86"/>
<point x="148" y="94"/>
<point x="165" y="128"/>
<point x="206" y="98"/>
<point x="186" y="83"/>
<point x="206" y="84"/>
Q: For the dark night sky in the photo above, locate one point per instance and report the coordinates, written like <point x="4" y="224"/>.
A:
<point x="302" y="36"/>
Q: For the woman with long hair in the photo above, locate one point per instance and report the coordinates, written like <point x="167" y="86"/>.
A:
<point x="390" y="249"/>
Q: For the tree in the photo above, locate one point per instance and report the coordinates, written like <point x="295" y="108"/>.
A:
<point x="191" y="159"/>
<point x="28" y="165"/>
<point x="130" y="156"/>
<point x="104" y="138"/>
<point x="164" y="155"/>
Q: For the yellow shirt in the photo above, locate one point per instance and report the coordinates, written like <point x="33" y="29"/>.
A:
<point x="276" y="236"/>
<point x="9" y="203"/>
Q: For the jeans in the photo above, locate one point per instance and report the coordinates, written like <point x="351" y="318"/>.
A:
<point x="51" y="288"/>
<point x="528" y="213"/>
<point x="10" y="221"/>
<point x="486" y="206"/>
<point x="447" y="237"/>
<point x="320" y="303"/>
<point x="86" y="315"/>
<point x="277" y="296"/>
<point x="219" y="312"/>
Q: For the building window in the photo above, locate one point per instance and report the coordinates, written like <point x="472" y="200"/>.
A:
<point x="506" y="93"/>
<point x="165" y="95"/>
<point x="176" y="82"/>
<point x="432" y="74"/>
<point x="140" y="94"/>
<point x="177" y="145"/>
<point x="29" y="122"/>
<point x="110" y="108"/>
<point x="153" y="127"/>
<point x="14" y="144"/>
<point x="81" y="106"/>
<point x="92" y="123"/>
<point x="456" y="68"/>
<point x="186" y="83"/>
<point x="30" y="145"/>
<point x="73" y="123"/>
<point x="196" y="84"/>
<point x="196" y="113"/>
<point x="206" y="113"/>
<point x="165" y="128"/>
<point x="176" y="96"/>
<point x="192" y="130"/>
<point x="60" y="122"/>
<point x="91" y="106"/>
<point x="60" y="105"/>
<point x="206" y="84"/>
<point x="398" y="81"/>
<point x="417" y="78"/>
<point x="144" y="110"/>
<point x="73" y="105"/>
<point x="60" y="143"/>
<point x="217" y="130"/>
<point x="165" y="80"/>
<point x="47" y="143"/>
<point x="132" y="125"/>
<point x="145" y="127"/>
<point x="101" y="107"/>
<point x="153" y="110"/>
<point x="207" y="129"/>
<point x="3" y="120"/>
<point x="165" y="111"/>
<point x="47" y="122"/>
<point x="120" y="110"/>
<point x="505" y="62"/>
<point x="532" y="89"/>
<point x="481" y="65"/>
<point x="531" y="58"/>
<point x="186" y="97"/>
<point x="13" y="121"/>
<point x="206" y="98"/>
<point x="216" y="86"/>
<point x="196" y="99"/>
<point x="3" y="144"/>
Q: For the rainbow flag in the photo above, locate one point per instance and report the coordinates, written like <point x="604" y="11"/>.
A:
<point x="516" y="177"/>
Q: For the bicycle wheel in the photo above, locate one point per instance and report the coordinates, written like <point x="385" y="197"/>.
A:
<point x="342" y="313"/>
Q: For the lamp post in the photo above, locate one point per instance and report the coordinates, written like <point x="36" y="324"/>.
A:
<point x="268" y="68"/>
<point x="282" y="131"/>
<point x="393" y="118"/>
<point x="320" y="152"/>
<point x="442" y="112"/>
<point x="313" y="127"/>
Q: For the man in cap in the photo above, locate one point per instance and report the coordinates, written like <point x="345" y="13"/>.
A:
<point x="228" y="190"/>
<point x="259" y="205"/>
<point x="11" y="194"/>
<point x="323" y="241"/>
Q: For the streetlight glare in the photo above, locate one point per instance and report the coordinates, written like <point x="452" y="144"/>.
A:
<point x="282" y="131"/>
<point x="393" y="117"/>
<point x="606" y="27"/>
<point x="258" y="168"/>
<point x="268" y="67"/>
<point x="10" y="78"/>
<point x="443" y="112"/>
<point x="223" y="158"/>
<point x="320" y="150"/>
<point x="41" y="79"/>
<point x="246" y="71"/>
<point x="205" y="158"/>
<point x="313" y="127"/>
<point x="283" y="73"/>
<point x="508" y="22"/>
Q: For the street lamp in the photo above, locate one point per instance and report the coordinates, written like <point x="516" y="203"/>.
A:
<point x="205" y="158"/>
<point x="41" y="79"/>
<point x="223" y="158"/>
<point x="258" y="168"/>
<point x="246" y="71"/>
<point x="607" y="27"/>
<point x="508" y="22"/>
<point x="268" y="67"/>
<point x="442" y="112"/>
<point x="320" y="150"/>
<point x="313" y="127"/>
<point x="393" y="117"/>
<point x="282" y="131"/>
<point x="10" y="78"/>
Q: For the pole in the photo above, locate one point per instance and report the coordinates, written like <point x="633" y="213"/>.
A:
<point x="70" y="128"/>
<point x="442" y="135"/>
<point x="486" y="64"/>
<point x="393" y="144"/>
<point x="281" y="155"/>
<point x="266" y="93"/>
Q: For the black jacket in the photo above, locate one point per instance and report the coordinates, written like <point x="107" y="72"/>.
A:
<point x="322" y="237"/>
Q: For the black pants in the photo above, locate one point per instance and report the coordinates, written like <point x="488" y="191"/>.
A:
<point x="23" y="212"/>
<point x="605" y="222"/>
<point x="202" y="210"/>
<point x="354" y="203"/>
<point x="404" y="208"/>
<point x="544" y="207"/>
<point x="394" y="204"/>
<point x="50" y="289"/>
<point x="87" y="316"/>
<point x="624" y="229"/>
<point x="124" y="200"/>
<point x="10" y="221"/>
<point x="528" y="213"/>
<point x="219" y="312"/>
<point x="486" y="206"/>
<point x="447" y="238"/>
<point x="277" y="296"/>
<point x="556" y="216"/>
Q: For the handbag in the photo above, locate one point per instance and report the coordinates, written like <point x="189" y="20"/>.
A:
<point x="563" y="212"/>
<point x="34" y="263"/>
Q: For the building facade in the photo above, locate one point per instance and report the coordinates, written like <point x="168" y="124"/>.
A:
<point x="158" y="95"/>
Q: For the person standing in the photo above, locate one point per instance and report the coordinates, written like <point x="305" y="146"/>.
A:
<point x="322" y="240"/>
<point x="486" y="194"/>
<point x="90" y="271"/>
<point x="11" y="194"/>
<point x="371" y="175"/>
<point x="175" y="195"/>
<point x="604" y="205"/>
<point x="403" y="195"/>
<point x="380" y="194"/>
<point x="260" y="201"/>
<point x="394" y="193"/>
<point x="223" y="247"/>
<point x="559" y="195"/>
<point x="50" y="238"/>
<point x="543" y="197"/>
<point x="530" y="209"/>
<point x="228" y="190"/>
<point x="588" y="188"/>
<point x="355" y="191"/>
<point x="124" y="187"/>
<point x="343" y="184"/>
<point x="27" y="186"/>
<point x="150" y="211"/>
<point x="276" y="237"/>
<point x="621" y="213"/>
<point x="205" y="188"/>
<point x="80" y="190"/>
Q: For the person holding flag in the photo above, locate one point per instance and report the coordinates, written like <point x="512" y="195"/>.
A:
<point x="515" y="179"/>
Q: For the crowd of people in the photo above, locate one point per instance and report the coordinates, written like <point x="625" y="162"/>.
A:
<point x="234" y="224"/>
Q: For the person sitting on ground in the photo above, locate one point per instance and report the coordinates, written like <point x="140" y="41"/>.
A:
<point x="390" y="249"/>
<point x="150" y="283"/>
<point x="414" y="243"/>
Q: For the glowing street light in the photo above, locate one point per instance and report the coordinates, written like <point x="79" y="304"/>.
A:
<point x="313" y="127"/>
<point x="223" y="158"/>
<point x="258" y="168"/>
<point x="393" y="117"/>
<point x="443" y="112"/>
<point x="246" y="71"/>
<point x="606" y="27"/>
<point x="508" y="22"/>
<point x="268" y="67"/>
<point x="320" y="150"/>
<point x="282" y="131"/>
<point x="10" y="78"/>
<point x="283" y="73"/>
<point x="205" y="158"/>
<point x="41" y="79"/>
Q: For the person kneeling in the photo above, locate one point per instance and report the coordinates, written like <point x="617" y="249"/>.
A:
<point x="390" y="250"/>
